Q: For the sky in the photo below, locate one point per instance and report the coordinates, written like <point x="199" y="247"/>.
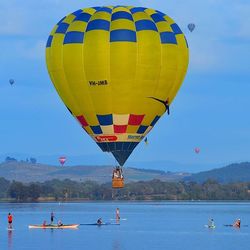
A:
<point x="211" y="110"/>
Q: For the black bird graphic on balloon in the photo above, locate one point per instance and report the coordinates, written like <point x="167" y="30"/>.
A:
<point x="165" y="103"/>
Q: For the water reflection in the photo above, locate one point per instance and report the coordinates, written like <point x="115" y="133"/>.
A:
<point x="116" y="245"/>
<point x="10" y="239"/>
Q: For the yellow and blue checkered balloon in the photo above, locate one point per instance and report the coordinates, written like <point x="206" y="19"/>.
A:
<point x="117" y="69"/>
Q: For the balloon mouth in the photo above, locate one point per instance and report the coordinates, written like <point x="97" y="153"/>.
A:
<point x="120" y="150"/>
<point x="121" y="156"/>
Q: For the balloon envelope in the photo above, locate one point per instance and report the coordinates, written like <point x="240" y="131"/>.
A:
<point x="117" y="69"/>
<point x="197" y="150"/>
<point x="11" y="81"/>
<point x="62" y="160"/>
<point x="191" y="27"/>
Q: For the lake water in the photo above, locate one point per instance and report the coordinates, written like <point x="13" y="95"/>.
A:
<point x="149" y="226"/>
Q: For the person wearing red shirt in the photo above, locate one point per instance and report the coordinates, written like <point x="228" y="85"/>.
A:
<point x="10" y="219"/>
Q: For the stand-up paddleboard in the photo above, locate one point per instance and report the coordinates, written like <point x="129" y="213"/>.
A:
<point x="119" y="219"/>
<point x="97" y="224"/>
<point x="230" y="225"/>
<point x="69" y="226"/>
<point x="210" y="227"/>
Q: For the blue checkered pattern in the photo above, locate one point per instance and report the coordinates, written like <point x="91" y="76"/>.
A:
<point x="157" y="18"/>
<point x="176" y="29"/>
<point x="78" y="12"/>
<point x="142" y="129"/>
<point x="74" y="37"/>
<point x="49" y="41"/>
<point x="145" y="25"/>
<point x="122" y="15"/>
<point x="117" y="35"/>
<point x="137" y="9"/>
<point x="83" y="17"/>
<point x="105" y="120"/>
<point x="96" y="130"/>
<point x="105" y="9"/>
<point x="168" y="37"/>
<point x="122" y="35"/>
<point x="62" y="28"/>
<point x="98" y="24"/>
<point x="155" y="121"/>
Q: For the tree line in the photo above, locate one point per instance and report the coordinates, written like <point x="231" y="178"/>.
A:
<point x="68" y="190"/>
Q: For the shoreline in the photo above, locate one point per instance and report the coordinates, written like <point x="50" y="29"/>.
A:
<point x="123" y="201"/>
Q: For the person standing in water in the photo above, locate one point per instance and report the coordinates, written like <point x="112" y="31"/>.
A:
<point x="10" y="219"/>
<point x="52" y="216"/>
<point x="117" y="214"/>
<point x="211" y="223"/>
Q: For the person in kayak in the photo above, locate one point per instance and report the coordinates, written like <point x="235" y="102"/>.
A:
<point x="52" y="216"/>
<point x="44" y="223"/>
<point x="117" y="214"/>
<point x="59" y="223"/>
<point x="10" y="219"/>
<point x="211" y="223"/>
<point x="237" y="223"/>
<point x="99" y="221"/>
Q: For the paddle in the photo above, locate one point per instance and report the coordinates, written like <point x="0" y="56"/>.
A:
<point x="96" y="224"/>
<point x="230" y="225"/>
<point x="119" y="219"/>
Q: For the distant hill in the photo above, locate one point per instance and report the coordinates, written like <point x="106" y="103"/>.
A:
<point x="238" y="172"/>
<point x="33" y="172"/>
<point x="98" y="159"/>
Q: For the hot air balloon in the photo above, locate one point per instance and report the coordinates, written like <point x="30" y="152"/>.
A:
<point x="62" y="160"/>
<point x="11" y="81"/>
<point x="117" y="69"/>
<point x="191" y="27"/>
<point x="197" y="150"/>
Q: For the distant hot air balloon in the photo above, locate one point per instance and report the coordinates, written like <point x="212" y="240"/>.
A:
<point x="11" y="81"/>
<point x="191" y="27"/>
<point x="62" y="160"/>
<point x="117" y="69"/>
<point x="197" y="150"/>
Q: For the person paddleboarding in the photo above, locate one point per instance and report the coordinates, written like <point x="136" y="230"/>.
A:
<point x="117" y="214"/>
<point x="237" y="223"/>
<point x="52" y="216"/>
<point x="10" y="220"/>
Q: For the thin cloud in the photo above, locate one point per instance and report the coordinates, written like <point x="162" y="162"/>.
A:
<point x="34" y="52"/>
<point x="13" y="23"/>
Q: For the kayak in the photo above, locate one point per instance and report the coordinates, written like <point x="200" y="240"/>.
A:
<point x="103" y="224"/>
<point x="54" y="226"/>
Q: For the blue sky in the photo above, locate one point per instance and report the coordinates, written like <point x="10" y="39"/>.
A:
<point x="211" y="110"/>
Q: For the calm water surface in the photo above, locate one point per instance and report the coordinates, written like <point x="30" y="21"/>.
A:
<point x="149" y="225"/>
